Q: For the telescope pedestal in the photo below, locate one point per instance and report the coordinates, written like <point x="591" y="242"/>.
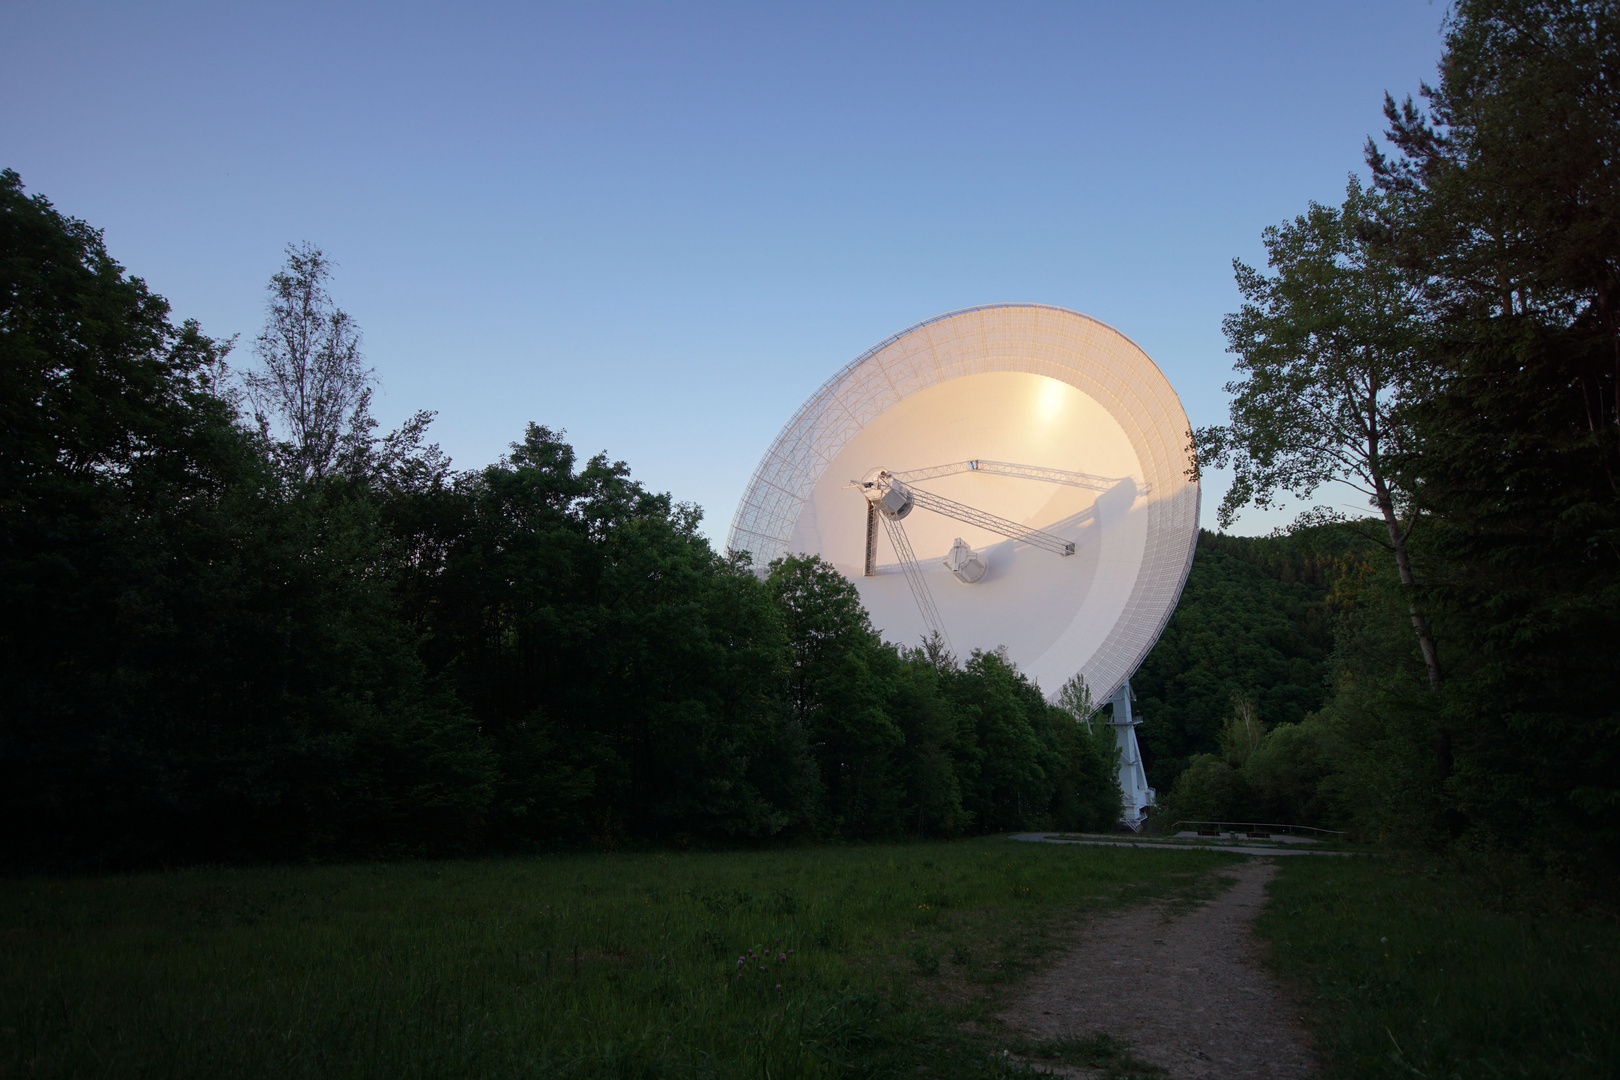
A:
<point x="1135" y="794"/>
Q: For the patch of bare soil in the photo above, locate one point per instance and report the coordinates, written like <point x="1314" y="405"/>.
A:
<point x="1185" y="990"/>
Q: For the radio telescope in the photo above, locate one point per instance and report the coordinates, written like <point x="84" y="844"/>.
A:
<point x="1012" y="476"/>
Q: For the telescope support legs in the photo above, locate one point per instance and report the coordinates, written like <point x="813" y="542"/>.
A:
<point x="1135" y="795"/>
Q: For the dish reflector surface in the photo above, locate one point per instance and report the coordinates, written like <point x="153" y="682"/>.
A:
<point x="1025" y="384"/>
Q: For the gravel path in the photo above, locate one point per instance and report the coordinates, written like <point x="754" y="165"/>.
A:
<point x="1185" y="990"/>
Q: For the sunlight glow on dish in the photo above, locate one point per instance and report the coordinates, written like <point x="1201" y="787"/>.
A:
<point x="1013" y="476"/>
<point x="1051" y="399"/>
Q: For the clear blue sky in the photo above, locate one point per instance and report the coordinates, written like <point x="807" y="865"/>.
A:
<point x="662" y="226"/>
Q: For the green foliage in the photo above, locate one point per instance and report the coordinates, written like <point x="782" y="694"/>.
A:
<point x="222" y="647"/>
<point x="1086" y="795"/>
<point x="1484" y="263"/>
<point x="1074" y="698"/>
<point x="1508" y="190"/>
<point x="1364" y="761"/>
<point x="1241" y="734"/>
<point x="190" y="665"/>
<point x="1256" y="618"/>
<point x="311" y="384"/>
<point x="1209" y="790"/>
<point x="628" y="677"/>
<point x="839" y="681"/>
<point x="912" y="741"/>
<point x="1288" y="772"/>
<point x="794" y="962"/>
<point x="1334" y="353"/>
<point x="1285" y="777"/>
<point x="926" y="763"/>
<point x="1330" y="350"/>
<point x="1507" y="196"/>
<point x="1421" y="969"/>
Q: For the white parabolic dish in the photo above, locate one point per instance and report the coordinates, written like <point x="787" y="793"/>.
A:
<point x="1025" y="384"/>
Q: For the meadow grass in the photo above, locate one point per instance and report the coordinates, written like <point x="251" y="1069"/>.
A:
<point x="1411" y="970"/>
<point x="850" y="961"/>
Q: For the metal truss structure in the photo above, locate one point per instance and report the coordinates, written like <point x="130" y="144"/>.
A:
<point x="1034" y="339"/>
<point x="1007" y="468"/>
<point x="960" y="511"/>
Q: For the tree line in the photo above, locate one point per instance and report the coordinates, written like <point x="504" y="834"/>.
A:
<point x="1448" y="340"/>
<point x="238" y="623"/>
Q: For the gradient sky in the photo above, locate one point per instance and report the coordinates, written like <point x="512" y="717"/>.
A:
<point x="662" y="226"/>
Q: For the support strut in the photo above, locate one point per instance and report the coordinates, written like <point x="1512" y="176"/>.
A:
<point x="950" y="508"/>
<point x="871" y="539"/>
<point x="914" y="578"/>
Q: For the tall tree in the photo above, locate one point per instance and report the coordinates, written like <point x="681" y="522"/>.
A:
<point x="1074" y="698"/>
<point x="1505" y="195"/>
<point x="313" y="388"/>
<point x="98" y="381"/>
<point x="1010" y="783"/>
<point x="111" y="451"/>
<point x="824" y="621"/>
<point x="1508" y="186"/>
<point x="1331" y="351"/>
<point x="839" y="673"/>
<point x="192" y="664"/>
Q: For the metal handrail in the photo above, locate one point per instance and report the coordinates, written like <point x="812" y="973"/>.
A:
<point x="1254" y="826"/>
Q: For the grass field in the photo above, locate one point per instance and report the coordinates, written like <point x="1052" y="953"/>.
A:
<point x="1413" y="970"/>
<point x="788" y="963"/>
<point x="836" y="961"/>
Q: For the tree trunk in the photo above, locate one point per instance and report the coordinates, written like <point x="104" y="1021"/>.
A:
<point x="1431" y="658"/>
<point x="1403" y="561"/>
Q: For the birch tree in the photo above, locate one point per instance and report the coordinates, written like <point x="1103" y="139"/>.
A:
<point x="312" y="390"/>
<point x="1331" y="357"/>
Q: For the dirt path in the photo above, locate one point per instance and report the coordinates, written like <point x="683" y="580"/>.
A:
<point x="1185" y="990"/>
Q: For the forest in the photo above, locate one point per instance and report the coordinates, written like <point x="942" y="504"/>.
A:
<point x="1446" y="340"/>
<point x="241" y="626"/>
<point x="240" y="623"/>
